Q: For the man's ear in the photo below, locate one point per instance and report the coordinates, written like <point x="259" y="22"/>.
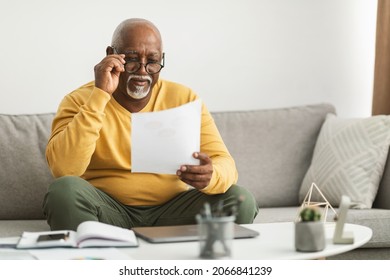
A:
<point x="109" y="50"/>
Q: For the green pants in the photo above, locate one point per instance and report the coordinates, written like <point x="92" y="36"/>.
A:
<point x="71" y="200"/>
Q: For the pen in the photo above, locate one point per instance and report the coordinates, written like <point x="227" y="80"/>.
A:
<point x="207" y="210"/>
<point x="219" y="212"/>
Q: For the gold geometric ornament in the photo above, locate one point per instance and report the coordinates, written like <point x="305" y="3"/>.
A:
<point x="325" y="205"/>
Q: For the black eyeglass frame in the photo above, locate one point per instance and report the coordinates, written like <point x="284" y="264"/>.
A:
<point x="144" y="64"/>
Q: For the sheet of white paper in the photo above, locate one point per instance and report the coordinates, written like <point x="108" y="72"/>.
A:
<point x="162" y="141"/>
<point x="79" y="254"/>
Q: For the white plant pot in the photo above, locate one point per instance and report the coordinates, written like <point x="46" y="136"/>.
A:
<point x="309" y="236"/>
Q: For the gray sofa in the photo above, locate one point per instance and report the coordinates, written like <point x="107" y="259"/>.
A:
<point x="273" y="149"/>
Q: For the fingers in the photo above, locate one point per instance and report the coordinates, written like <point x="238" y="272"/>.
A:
<point x="112" y="62"/>
<point x="107" y="72"/>
<point x="204" y="167"/>
<point x="196" y="184"/>
<point x="198" y="176"/>
<point x="204" y="158"/>
<point x="119" y="58"/>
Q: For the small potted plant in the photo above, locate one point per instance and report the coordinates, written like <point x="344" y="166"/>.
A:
<point x="309" y="231"/>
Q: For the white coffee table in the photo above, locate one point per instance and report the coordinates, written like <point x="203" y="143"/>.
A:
<point x="276" y="242"/>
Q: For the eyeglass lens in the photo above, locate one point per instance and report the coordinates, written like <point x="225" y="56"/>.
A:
<point x="134" y="66"/>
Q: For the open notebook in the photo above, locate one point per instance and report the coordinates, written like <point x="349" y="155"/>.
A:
<point x="88" y="234"/>
<point x="165" y="234"/>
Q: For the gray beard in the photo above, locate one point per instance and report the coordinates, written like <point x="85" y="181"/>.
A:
<point x="139" y="93"/>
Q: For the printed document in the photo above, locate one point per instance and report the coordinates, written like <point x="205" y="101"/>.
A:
<point x="162" y="141"/>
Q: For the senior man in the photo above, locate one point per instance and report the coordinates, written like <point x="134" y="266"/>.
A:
<point x="89" y="148"/>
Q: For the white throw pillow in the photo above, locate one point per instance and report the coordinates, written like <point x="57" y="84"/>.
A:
<point x="349" y="159"/>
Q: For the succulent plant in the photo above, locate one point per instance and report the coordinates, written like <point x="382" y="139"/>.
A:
<point x="310" y="214"/>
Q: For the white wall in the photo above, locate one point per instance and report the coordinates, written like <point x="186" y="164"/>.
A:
<point x="237" y="54"/>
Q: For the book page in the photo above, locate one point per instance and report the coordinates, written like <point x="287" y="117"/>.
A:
<point x="96" y="234"/>
<point x="162" y="141"/>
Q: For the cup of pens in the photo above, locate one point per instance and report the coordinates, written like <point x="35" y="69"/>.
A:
<point x="216" y="233"/>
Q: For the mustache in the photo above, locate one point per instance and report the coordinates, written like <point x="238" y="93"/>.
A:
<point x="140" y="77"/>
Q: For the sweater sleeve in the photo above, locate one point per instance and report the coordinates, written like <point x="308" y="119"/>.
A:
<point x="75" y="130"/>
<point x="224" y="169"/>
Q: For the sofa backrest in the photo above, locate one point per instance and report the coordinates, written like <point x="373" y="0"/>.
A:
<point x="273" y="149"/>
<point x="24" y="174"/>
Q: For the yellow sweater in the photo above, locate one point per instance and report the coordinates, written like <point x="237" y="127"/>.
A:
<point x="91" y="138"/>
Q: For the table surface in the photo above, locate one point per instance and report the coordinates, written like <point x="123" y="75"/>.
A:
<point x="275" y="242"/>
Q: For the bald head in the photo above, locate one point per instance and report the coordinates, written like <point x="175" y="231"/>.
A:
<point x="132" y="27"/>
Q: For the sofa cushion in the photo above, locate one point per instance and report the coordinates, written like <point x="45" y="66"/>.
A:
<point x="24" y="174"/>
<point x="349" y="159"/>
<point x="272" y="149"/>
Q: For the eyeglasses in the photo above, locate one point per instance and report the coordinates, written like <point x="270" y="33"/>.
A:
<point x="150" y="67"/>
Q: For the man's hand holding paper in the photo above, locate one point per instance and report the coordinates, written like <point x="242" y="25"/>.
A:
<point x="198" y="176"/>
